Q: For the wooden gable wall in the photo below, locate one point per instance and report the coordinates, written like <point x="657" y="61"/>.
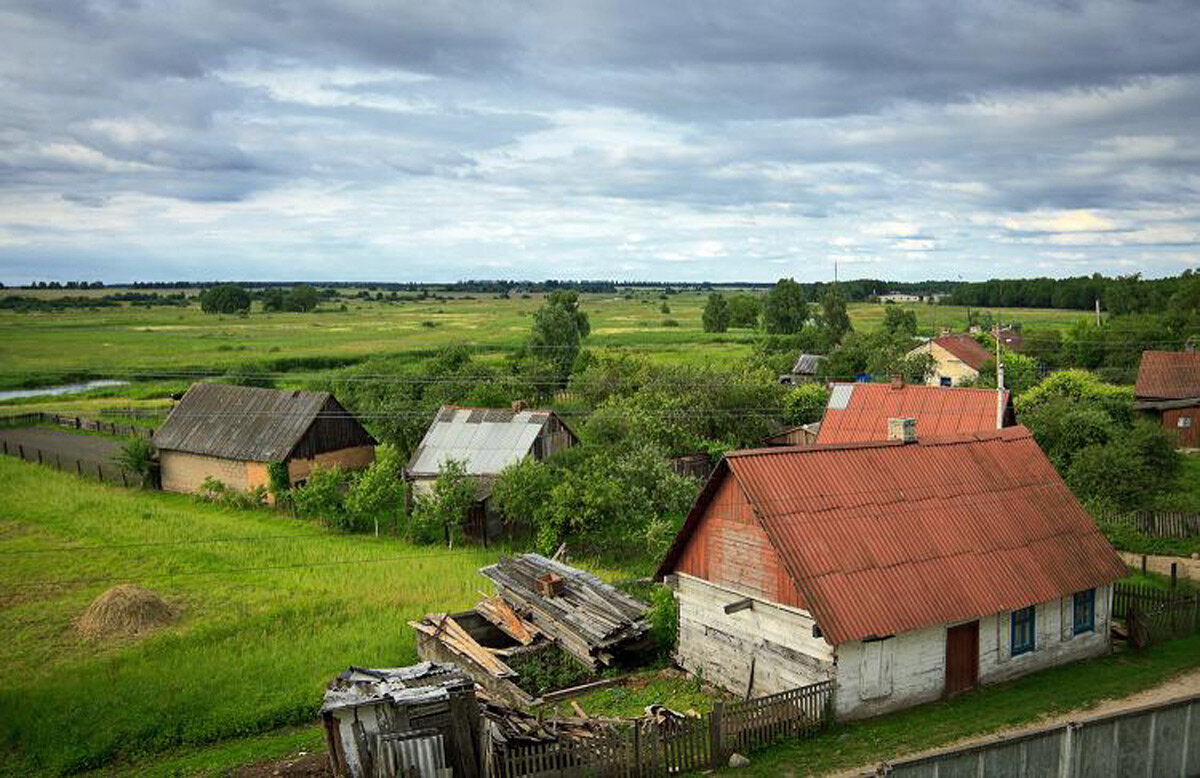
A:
<point x="730" y="548"/>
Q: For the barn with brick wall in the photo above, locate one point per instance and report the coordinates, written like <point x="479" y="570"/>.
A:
<point x="905" y="570"/>
<point x="1168" y="388"/>
<point x="233" y="434"/>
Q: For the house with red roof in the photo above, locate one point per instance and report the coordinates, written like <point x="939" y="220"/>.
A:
<point x="956" y="358"/>
<point x="1168" y="388"/>
<point x="906" y="569"/>
<point x="859" y="413"/>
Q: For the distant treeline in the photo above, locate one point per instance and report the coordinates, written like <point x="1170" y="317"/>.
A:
<point x="1124" y="294"/>
<point x="70" y="302"/>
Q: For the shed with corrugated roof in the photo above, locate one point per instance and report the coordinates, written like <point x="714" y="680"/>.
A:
<point x="234" y="433"/>
<point x="906" y="569"/>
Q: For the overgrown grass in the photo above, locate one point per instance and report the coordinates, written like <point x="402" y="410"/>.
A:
<point x="1020" y="702"/>
<point x="269" y="614"/>
<point x="665" y="687"/>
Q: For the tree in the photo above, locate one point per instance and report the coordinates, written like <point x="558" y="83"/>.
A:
<point x="323" y="496"/>
<point x="805" y="404"/>
<point x="1021" y="373"/>
<point x="834" y="319"/>
<point x="785" y="309"/>
<point x="664" y="308"/>
<point x="559" y="326"/>
<point x="521" y="492"/>
<point x="716" y="313"/>
<point x="302" y="298"/>
<point x="137" y="457"/>
<point x="440" y="513"/>
<point x="744" y="310"/>
<point x="377" y="493"/>
<point x="900" y="321"/>
<point x="273" y="299"/>
<point x="225" y="298"/>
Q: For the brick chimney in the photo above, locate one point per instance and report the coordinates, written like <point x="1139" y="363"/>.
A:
<point x="897" y="381"/>
<point x="518" y="406"/>
<point x="902" y="429"/>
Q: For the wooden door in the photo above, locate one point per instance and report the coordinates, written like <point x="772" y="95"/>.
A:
<point x="962" y="657"/>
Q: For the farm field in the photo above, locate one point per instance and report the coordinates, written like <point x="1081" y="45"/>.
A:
<point x="270" y="608"/>
<point x="173" y="344"/>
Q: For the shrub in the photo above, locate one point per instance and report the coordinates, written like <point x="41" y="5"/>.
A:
<point x="439" y="514"/>
<point x="805" y="404"/>
<point x="664" y="619"/>
<point x="137" y="457"/>
<point x="323" y="497"/>
<point x="377" y="493"/>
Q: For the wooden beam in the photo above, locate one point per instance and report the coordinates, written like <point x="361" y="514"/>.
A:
<point x="739" y="605"/>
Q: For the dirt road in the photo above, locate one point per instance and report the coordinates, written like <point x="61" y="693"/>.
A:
<point x="63" y="450"/>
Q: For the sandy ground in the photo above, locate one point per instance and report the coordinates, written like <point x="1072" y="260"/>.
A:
<point x="1185" y="685"/>
<point x="1188" y="568"/>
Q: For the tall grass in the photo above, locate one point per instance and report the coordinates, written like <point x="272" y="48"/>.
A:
<point x="266" y="620"/>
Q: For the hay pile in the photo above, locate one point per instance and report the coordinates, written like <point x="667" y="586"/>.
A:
<point x="124" y="611"/>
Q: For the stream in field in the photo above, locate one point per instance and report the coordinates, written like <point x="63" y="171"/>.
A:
<point x="50" y="391"/>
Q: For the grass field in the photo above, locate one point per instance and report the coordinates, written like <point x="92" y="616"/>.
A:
<point x="55" y="347"/>
<point x="271" y="609"/>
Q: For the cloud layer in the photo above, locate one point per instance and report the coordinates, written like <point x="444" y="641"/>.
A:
<point x="447" y="140"/>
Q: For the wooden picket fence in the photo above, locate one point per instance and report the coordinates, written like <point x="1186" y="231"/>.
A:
<point x="651" y="748"/>
<point x="1154" y="615"/>
<point x="1159" y="524"/>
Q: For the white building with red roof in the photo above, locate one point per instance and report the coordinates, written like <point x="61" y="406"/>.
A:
<point x="956" y="359"/>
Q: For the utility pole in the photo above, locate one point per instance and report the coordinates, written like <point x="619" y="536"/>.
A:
<point x="999" y="377"/>
<point x="1097" y="311"/>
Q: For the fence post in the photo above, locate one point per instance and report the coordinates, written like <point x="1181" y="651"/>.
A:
<point x="39" y="456"/>
<point x="100" y="472"/>
<point x="637" y="750"/>
<point x="77" y="423"/>
<point x="78" y="467"/>
<point x="1143" y="564"/>
<point x="715" y="734"/>
<point x="21" y="450"/>
<point x="1174" y="575"/>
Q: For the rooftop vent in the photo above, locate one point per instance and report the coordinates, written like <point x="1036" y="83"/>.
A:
<point x="897" y="381"/>
<point x="902" y="429"/>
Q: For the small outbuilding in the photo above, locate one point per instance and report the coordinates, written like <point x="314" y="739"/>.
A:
<point x="907" y="570"/>
<point x="1168" y="388"/>
<point x="956" y="358"/>
<point x="859" y="413"/>
<point x="233" y="434"/>
<point x="485" y="440"/>
<point x="804" y="371"/>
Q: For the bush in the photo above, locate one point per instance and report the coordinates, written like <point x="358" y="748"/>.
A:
<point x="377" y="494"/>
<point x="323" y="497"/>
<point x="137" y="457"/>
<point x="664" y="619"/>
<point x="439" y="514"/>
<point x="1113" y="473"/>
<point x="805" y="404"/>
<point x="521" y="493"/>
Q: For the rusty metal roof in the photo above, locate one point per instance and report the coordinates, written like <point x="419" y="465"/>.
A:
<point x="966" y="348"/>
<point x="1168" y="375"/>
<point x="884" y="538"/>
<point x="257" y="425"/>
<point x="859" y="413"/>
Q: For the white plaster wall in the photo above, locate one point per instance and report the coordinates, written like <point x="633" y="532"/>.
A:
<point x="945" y="364"/>
<point x="776" y="640"/>
<point x="918" y="658"/>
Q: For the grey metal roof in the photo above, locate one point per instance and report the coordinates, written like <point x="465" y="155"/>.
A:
<point x="839" y="396"/>
<point x="247" y="423"/>
<point x="416" y="684"/>
<point x="486" y="440"/>
<point x="807" y="364"/>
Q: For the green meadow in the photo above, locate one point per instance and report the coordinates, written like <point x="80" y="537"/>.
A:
<point x="173" y="344"/>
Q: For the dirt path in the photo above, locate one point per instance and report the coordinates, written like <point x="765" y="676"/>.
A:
<point x="1188" y="568"/>
<point x="62" y="449"/>
<point x="1184" y="685"/>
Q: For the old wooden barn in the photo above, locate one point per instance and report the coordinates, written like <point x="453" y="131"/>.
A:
<point x="232" y="434"/>
<point x="1168" y="388"/>
<point x="904" y="569"/>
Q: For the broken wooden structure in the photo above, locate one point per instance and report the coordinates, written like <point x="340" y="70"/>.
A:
<point x="542" y="605"/>
<point x="585" y="616"/>
<point x="422" y="720"/>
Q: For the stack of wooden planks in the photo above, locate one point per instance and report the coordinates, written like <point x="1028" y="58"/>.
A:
<point x="587" y="617"/>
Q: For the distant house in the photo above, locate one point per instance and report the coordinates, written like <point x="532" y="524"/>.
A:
<point x="906" y="570"/>
<point x="232" y="433"/>
<point x="1168" y="387"/>
<point x="899" y="297"/>
<point x="802" y="435"/>
<point x="859" y="413"/>
<point x="957" y="358"/>
<point x="805" y="369"/>
<point x="485" y="440"/>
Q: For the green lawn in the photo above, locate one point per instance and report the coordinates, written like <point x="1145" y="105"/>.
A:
<point x="1012" y="704"/>
<point x="271" y="608"/>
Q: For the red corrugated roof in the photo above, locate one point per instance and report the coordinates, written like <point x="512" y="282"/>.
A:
<point x="965" y="348"/>
<point x="1168" y="375"/>
<point x="940" y="411"/>
<point x="885" y="538"/>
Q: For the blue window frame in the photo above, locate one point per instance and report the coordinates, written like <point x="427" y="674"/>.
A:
<point x="1023" y="630"/>
<point x="1085" y="611"/>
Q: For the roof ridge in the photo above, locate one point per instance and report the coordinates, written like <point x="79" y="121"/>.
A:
<point x="1014" y="432"/>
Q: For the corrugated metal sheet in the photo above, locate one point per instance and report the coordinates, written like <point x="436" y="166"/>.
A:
<point x="487" y="440"/>
<point x="402" y="752"/>
<point x="886" y="538"/>
<point x="807" y="364"/>
<point x="1168" y="375"/>
<point x="965" y="348"/>
<point x="258" y="425"/>
<point x="862" y="411"/>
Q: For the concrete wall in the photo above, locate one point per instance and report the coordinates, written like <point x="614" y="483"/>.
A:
<point x="773" y="641"/>
<point x="353" y="458"/>
<point x="910" y="668"/>
<point x="183" y="472"/>
<point x="1161" y="740"/>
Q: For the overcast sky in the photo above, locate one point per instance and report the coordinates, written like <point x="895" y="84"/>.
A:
<point x="436" y="141"/>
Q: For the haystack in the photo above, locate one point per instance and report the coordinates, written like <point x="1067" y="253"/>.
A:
<point x="124" y="611"/>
